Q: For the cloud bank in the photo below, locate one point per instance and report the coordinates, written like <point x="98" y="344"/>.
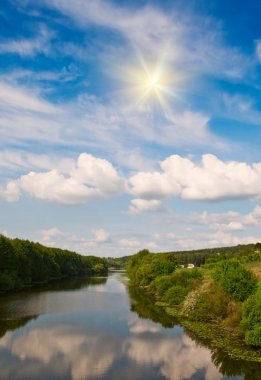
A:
<point x="209" y="180"/>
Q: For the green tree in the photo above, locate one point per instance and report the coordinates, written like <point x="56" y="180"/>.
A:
<point x="235" y="279"/>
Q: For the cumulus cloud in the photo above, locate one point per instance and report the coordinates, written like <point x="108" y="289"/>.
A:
<point x="141" y="205"/>
<point x="11" y="192"/>
<point x="91" y="177"/>
<point x="210" y="180"/>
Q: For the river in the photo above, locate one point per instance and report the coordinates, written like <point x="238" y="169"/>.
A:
<point x="99" y="329"/>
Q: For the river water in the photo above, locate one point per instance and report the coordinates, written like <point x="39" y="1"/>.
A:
<point x="99" y="329"/>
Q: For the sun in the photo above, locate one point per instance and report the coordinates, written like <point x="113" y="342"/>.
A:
<point x="152" y="81"/>
<point x="148" y="81"/>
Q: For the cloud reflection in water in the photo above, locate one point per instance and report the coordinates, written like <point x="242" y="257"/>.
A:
<point x="79" y="354"/>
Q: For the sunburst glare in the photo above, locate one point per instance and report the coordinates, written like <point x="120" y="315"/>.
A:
<point x="149" y="80"/>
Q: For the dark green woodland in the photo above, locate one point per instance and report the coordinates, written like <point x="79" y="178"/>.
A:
<point x="24" y="263"/>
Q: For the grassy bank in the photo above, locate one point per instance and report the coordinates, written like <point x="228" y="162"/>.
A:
<point x="220" y="301"/>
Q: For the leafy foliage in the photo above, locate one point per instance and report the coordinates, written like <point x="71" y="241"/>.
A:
<point x="251" y="319"/>
<point x="23" y="263"/>
<point x="144" y="267"/>
<point x="235" y="279"/>
<point x="197" y="297"/>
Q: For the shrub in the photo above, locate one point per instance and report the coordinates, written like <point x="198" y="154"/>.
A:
<point x="175" y="295"/>
<point x="235" y="279"/>
<point x="161" y="284"/>
<point x="208" y="303"/>
<point x="251" y="319"/>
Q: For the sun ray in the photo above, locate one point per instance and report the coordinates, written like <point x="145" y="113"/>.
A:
<point x="149" y="80"/>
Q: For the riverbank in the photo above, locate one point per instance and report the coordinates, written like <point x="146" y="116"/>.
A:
<point x="214" y="335"/>
<point x="220" y="303"/>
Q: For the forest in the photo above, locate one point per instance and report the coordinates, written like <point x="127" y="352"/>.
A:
<point x="224" y="291"/>
<point x="24" y="263"/>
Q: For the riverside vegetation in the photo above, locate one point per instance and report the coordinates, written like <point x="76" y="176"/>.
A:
<point x="220" y="300"/>
<point x="24" y="263"/>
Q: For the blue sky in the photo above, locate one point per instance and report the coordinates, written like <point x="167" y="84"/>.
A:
<point x="126" y="125"/>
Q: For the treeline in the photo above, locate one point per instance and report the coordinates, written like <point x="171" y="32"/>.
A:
<point x="225" y="292"/>
<point x="24" y="263"/>
<point x="198" y="257"/>
<point x="247" y="252"/>
<point x="118" y="262"/>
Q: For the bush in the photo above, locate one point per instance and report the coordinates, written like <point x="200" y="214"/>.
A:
<point x="184" y="278"/>
<point x="253" y="337"/>
<point x="235" y="279"/>
<point x="175" y="295"/>
<point x="251" y="319"/>
<point x="207" y="304"/>
<point x="161" y="284"/>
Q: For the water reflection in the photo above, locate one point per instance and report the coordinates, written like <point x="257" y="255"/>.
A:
<point x="87" y="355"/>
<point x="145" y="307"/>
<point x="96" y="336"/>
<point x="67" y="349"/>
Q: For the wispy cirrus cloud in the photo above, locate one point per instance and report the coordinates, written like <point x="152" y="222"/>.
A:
<point x="27" y="117"/>
<point x="29" y="47"/>
<point x="194" y="42"/>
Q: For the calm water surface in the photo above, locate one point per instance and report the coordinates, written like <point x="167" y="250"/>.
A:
<point x="99" y="329"/>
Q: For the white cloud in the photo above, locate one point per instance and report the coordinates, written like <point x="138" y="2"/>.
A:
<point x="11" y="192"/>
<point x="239" y="107"/>
<point x="142" y="205"/>
<point x="91" y="177"/>
<point x="230" y="220"/>
<point x="16" y="97"/>
<point x="13" y="160"/>
<point x="211" y="180"/>
<point x="29" y="47"/>
<point x="233" y="226"/>
<point x="27" y="118"/>
<point x="99" y="173"/>
<point x="100" y="235"/>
